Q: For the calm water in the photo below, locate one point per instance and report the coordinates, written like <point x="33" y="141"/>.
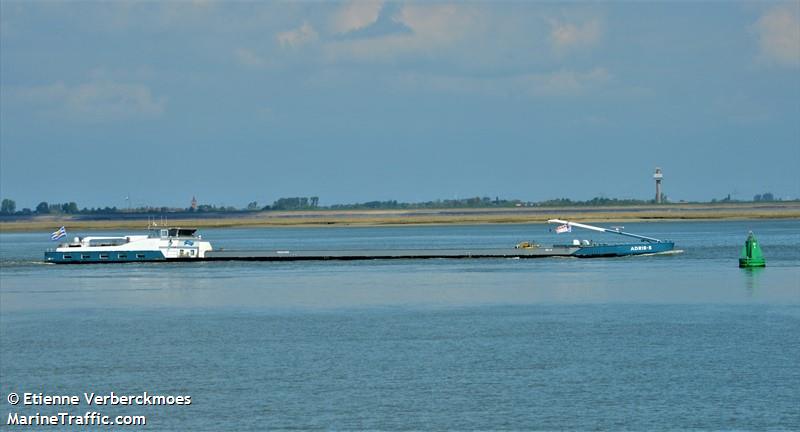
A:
<point x="688" y="341"/>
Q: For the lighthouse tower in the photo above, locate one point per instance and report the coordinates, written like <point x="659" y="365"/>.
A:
<point x="658" y="176"/>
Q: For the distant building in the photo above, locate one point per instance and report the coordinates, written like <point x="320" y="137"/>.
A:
<point x="194" y="204"/>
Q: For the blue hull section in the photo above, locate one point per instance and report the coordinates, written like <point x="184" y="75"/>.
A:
<point x="103" y="257"/>
<point x="623" y="249"/>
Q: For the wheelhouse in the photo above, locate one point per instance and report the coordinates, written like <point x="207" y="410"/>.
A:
<point x="166" y="233"/>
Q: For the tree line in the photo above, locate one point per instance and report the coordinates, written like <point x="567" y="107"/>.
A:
<point x="765" y="197"/>
<point x="9" y="206"/>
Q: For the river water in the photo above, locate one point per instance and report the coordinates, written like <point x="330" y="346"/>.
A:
<point x="637" y="343"/>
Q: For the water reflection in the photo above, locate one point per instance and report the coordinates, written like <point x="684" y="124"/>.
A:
<point x="751" y="276"/>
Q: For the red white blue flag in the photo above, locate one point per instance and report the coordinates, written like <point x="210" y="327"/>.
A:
<point x="563" y="229"/>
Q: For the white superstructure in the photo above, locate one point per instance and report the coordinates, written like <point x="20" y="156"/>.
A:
<point x="161" y="244"/>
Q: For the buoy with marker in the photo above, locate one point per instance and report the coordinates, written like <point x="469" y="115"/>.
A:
<point x="751" y="253"/>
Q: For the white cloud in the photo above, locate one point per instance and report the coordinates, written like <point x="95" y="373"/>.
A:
<point x="433" y="27"/>
<point x="565" y="36"/>
<point x="298" y="37"/>
<point x="356" y="14"/>
<point x="439" y="23"/>
<point x="92" y="101"/>
<point x="779" y="35"/>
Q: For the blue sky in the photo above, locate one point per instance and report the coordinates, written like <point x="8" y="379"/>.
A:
<point x="234" y="102"/>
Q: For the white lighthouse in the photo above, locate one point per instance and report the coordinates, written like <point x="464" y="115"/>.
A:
<point x="658" y="176"/>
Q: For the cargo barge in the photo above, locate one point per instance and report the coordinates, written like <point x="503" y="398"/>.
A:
<point x="183" y="245"/>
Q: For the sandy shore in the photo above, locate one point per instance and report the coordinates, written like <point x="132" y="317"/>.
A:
<point x="672" y="212"/>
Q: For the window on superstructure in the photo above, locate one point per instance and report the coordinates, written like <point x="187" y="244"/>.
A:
<point x="181" y="232"/>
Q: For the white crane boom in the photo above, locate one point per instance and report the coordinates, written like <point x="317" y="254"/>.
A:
<point x="594" y="228"/>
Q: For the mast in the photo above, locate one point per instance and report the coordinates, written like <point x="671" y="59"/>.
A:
<point x="611" y="231"/>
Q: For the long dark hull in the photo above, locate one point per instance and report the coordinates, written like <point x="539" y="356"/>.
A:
<point x="591" y="251"/>
<point x="594" y="251"/>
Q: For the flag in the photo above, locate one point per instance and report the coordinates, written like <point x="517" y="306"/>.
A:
<point x="59" y="233"/>
<point x="563" y="228"/>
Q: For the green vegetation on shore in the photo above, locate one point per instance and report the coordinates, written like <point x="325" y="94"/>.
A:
<point x="719" y="211"/>
<point x="9" y="207"/>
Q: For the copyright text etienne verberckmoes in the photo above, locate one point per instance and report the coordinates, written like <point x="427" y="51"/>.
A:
<point x="83" y="409"/>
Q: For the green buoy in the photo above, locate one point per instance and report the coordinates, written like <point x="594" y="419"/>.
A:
<point x="751" y="253"/>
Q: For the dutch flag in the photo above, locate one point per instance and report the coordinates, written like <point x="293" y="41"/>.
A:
<point x="563" y="229"/>
<point x="59" y="233"/>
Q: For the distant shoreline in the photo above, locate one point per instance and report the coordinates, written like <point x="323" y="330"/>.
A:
<point x="450" y="216"/>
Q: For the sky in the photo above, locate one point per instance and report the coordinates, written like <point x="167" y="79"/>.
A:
<point x="234" y="102"/>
